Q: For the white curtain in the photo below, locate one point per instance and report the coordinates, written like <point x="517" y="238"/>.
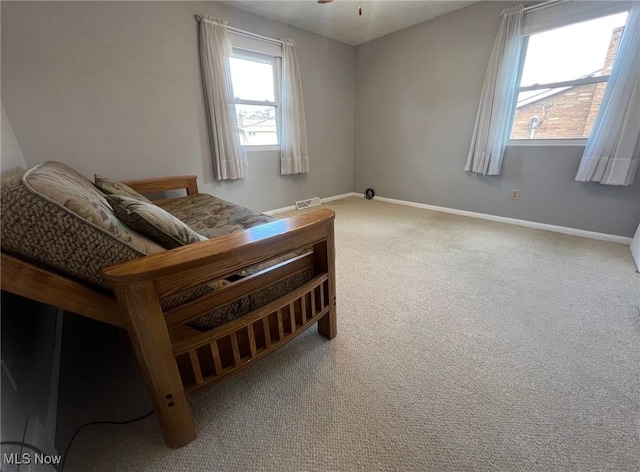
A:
<point x="229" y="159"/>
<point x="612" y="154"/>
<point x="294" y="155"/>
<point x="498" y="97"/>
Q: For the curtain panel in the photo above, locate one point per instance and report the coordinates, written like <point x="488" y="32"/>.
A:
<point x="498" y="97"/>
<point x="229" y="158"/>
<point x="294" y="158"/>
<point x="612" y="153"/>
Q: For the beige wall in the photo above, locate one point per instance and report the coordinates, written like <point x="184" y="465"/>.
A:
<point x="114" y="88"/>
<point x="11" y="158"/>
<point x="416" y="101"/>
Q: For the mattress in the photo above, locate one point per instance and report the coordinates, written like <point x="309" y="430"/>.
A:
<point x="213" y="217"/>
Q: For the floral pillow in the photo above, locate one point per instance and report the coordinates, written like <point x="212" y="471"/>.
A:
<point x="112" y="187"/>
<point x="153" y="222"/>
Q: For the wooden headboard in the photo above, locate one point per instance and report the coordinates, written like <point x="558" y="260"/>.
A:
<point x="165" y="184"/>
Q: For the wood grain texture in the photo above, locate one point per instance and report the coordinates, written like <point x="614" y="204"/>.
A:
<point x="326" y="257"/>
<point x="303" y="305"/>
<point x="252" y="340"/>
<point x="292" y="316"/>
<point x="183" y="345"/>
<point x="232" y="262"/>
<point x="236" y="350"/>
<point x="152" y="345"/>
<point x="164" y="184"/>
<point x="197" y="370"/>
<point x="30" y="281"/>
<point x="235" y="291"/>
<point x="312" y="296"/>
<point x="216" y="356"/>
<point x="280" y="324"/>
<point x="259" y="355"/>
<point x="267" y="332"/>
<point x="242" y="331"/>
<point x="218" y="256"/>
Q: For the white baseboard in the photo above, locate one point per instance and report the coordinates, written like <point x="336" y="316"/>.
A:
<point x="323" y="200"/>
<point x="340" y="197"/>
<point x="279" y="210"/>
<point x="513" y="221"/>
<point x="482" y="216"/>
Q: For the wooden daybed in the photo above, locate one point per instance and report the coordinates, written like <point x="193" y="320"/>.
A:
<point x="175" y="358"/>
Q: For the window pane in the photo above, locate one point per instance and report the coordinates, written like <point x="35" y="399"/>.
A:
<point x="252" y="79"/>
<point x="573" y="51"/>
<point x="257" y="125"/>
<point x="565" y="112"/>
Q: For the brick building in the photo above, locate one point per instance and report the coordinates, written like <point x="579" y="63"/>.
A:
<point x="570" y="111"/>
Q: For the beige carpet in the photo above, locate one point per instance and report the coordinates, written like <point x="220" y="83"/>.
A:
<point x="463" y="345"/>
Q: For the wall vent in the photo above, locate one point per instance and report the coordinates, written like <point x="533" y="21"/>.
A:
<point x="311" y="202"/>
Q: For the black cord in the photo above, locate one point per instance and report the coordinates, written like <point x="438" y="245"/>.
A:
<point x="66" y="451"/>
<point x="93" y="423"/>
<point x="29" y="446"/>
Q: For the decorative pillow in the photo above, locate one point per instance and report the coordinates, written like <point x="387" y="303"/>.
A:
<point x="112" y="187"/>
<point x="153" y="222"/>
<point x="56" y="217"/>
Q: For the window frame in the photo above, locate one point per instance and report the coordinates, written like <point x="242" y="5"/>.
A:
<point x="550" y="85"/>
<point x="275" y="61"/>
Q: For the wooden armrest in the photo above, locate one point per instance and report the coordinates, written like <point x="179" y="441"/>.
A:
<point x="187" y="266"/>
<point x="163" y="184"/>
<point x="37" y="283"/>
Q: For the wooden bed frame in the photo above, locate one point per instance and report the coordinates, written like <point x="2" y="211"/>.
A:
<point x="174" y="358"/>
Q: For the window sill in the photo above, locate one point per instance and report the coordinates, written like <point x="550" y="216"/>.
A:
<point x="547" y="142"/>
<point x="263" y="147"/>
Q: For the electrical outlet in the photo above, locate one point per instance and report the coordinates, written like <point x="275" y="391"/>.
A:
<point x="515" y="194"/>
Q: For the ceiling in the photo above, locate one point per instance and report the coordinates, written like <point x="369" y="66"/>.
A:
<point x="340" y="20"/>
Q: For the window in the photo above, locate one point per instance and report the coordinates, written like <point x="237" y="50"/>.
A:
<point x="563" y="79"/>
<point x="255" y="85"/>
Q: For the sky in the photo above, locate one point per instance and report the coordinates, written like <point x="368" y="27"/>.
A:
<point x="252" y="80"/>
<point x="569" y="52"/>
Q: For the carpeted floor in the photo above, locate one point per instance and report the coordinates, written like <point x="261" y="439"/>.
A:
<point x="462" y="345"/>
